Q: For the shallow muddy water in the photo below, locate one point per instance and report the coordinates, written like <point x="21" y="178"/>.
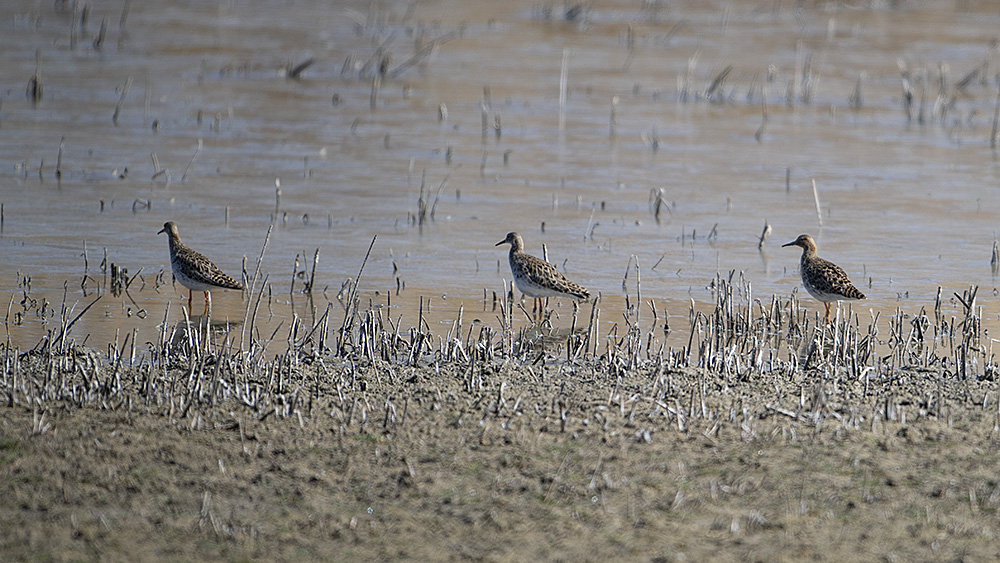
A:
<point x="186" y="112"/>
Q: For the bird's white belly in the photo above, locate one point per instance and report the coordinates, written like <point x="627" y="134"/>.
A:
<point x="188" y="282"/>
<point x="822" y="295"/>
<point x="530" y="289"/>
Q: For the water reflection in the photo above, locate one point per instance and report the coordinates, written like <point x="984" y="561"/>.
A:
<point x="677" y="145"/>
<point x="194" y="330"/>
<point x="549" y="339"/>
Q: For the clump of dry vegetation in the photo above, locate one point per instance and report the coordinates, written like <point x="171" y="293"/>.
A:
<point x="761" y="424"/>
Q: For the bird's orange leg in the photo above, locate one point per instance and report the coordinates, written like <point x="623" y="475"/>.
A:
<point x="827" y="313"/>
<point x="189" y="299"/>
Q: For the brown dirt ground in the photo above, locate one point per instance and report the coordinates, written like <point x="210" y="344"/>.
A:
<point x="449" y="478"/>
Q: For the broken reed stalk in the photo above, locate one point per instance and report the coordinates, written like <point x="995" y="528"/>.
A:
<point x="158" y="172"/>
<point x="484" y="110"/>
<point x="62" y="144"/>
<point x="250" y="290"/>
<point x="300" y="68"/>
<point x="74" y="21"/>
<point x="613" y="120"/>
<point x="684" y="82"/>
<point x="312" y="276"/>
<point x="799" y="72"/>
<point x="373" y="97"/>
<point x="759" y="135"/>
<point x="904" y="73"/>
<point x="121" y="101"/>
<point x="995" y="258"/>
<point x="638" y="290"/>
<point x="65" y="330"/>
<point x="563" y="87"/>
<point x="99" y="40"/>
<point x="352" y="300"/>
<point x="819" y="213"/>
<point x="437" y="195"/>
<point x="421" y="54"/>
<point x="295" y="272"/>
<point x="716" y="85"/>
<point x="197" y="151"/>
<point x="658" y="202"/>
<point x="146" y="94"/>
<point x="764" y="234"/>
<point x="422" y="199"/>
<point x="124" y="16"/>
<point x="995" y="132"/>
<point x="629" y="306"/>
<point x="855" y="100"/>
<point x="34" y="90"/>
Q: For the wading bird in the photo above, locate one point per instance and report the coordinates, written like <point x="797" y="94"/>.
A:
<point x="537" y="278"/>
<point x="194" y="271"/>
<point x="823" y="280"/>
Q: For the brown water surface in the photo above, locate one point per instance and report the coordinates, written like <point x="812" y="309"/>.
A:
<point x="208" y="120"/>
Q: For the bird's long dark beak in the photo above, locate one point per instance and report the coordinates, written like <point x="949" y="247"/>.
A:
<point x="501" y="242"/>
<point x="163" y="230"/>
<point x="788" y="244"/>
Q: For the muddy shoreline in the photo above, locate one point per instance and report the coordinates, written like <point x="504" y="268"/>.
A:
<point x="350" y="459"/>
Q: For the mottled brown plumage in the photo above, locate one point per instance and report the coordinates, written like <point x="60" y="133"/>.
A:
<point x="823" y="280"/>
<point x="537" y="278"/>
<point x="192" y="270"/>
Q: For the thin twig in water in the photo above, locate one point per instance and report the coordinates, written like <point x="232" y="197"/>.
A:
<point x="563" y="84"/>
<point x="759" y="135"/>
<point x="764" y="234"/>
<point x="819" y="214"/>
<point x="420" y="55"/>
<point x="121" y="101"/>
<point x="437" y="196"/>
<point x="300" y="68"/>
<point x="197" y="151"/>
<point x="996" y="122"/>
<point x="99" y="40"/>
<point x="855" y="100"/>
<point x="717" y="82"/>
<point x="34" y="90"/>
<point x="995" y="258"/>
<point x="62" y="143"/>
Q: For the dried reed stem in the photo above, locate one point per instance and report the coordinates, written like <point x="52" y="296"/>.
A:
<point x="563" y="87"/>
<point x="819" y="213"/>
<point x="251" y="287"/>
<point x="121" y="101"/>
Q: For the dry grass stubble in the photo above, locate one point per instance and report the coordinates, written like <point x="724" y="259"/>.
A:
<point x="458" y="474"/>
